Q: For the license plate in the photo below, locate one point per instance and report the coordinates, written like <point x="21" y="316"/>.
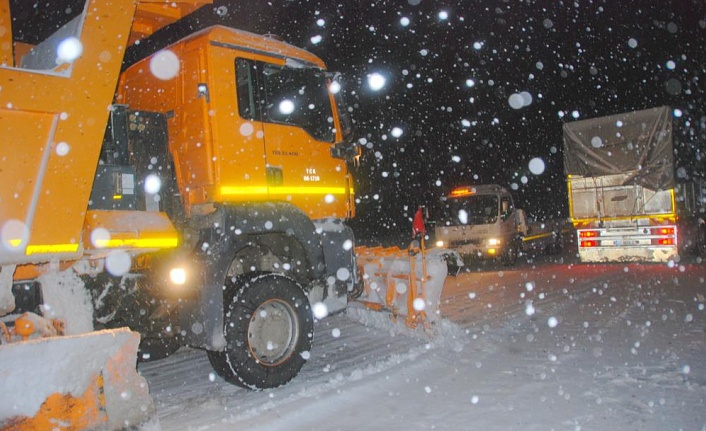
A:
<point x="619" y="242"/>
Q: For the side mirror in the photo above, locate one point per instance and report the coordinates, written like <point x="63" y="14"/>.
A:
<point x="348" y="150"/>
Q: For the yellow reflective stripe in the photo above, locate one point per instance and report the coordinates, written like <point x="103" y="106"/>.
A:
<point x="539" y="235"/>
<point x="137" y="243"/>
<point x="308" y="190"/>
<point x="668" y="216"/>
<point x="51" y="248"/>
<point x="253" y="190"/>
<point x="302" y="190"/>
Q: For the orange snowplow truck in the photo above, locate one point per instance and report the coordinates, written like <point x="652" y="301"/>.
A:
<point x="244" y="135"/>
<point x="198" y="196"/>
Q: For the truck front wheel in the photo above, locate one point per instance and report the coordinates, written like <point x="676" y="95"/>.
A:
<point x="268" y="327"/>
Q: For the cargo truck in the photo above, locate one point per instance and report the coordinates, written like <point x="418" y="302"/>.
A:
<point x="622" y="188"/>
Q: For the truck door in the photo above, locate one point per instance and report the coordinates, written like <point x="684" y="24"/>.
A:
<point x="507" y="217"/>
<point x="292" y="122"/>
<point x="299" y="131"/>
<point x="243" y="174"/>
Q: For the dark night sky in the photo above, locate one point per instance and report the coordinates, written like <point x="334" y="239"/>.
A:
<point x="594" y="58"/>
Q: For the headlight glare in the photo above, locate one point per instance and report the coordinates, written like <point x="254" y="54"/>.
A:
<point x="177" y="276"/>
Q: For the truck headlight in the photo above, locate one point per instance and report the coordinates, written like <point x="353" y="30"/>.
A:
<point x="493" y="241"/>
<point x="177" y="276"/>
<point x="440" y="243"/>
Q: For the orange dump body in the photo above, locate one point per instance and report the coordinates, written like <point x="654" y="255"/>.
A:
<point x="54" y="106"/>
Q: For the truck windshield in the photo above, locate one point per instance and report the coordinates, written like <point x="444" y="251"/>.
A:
<point x="285" y="95"/>
<point x="471" y="210"/>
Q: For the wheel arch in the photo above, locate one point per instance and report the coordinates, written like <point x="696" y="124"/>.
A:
<point x="232" y="231"/>
<point x="277" y="225"/>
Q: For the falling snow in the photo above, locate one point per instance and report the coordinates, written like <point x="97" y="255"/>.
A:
<point x="164" y="65"/>
<point x="439" y="97"/>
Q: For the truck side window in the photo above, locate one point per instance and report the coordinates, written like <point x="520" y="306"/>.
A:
<point x="285" y="95"/>
<point x="245" y="81"/>
<point x="505" y="207"/>
<point x="299" y="96"/>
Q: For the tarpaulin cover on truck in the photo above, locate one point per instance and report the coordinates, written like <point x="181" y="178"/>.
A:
<point x="639" y="142"/>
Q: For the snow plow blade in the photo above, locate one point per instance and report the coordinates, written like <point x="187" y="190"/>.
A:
<point x="406" y="283"/>
<point x="71" y="383"/>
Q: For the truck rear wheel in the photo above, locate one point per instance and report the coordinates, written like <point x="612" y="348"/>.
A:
<point x="268" y="327"/>
<point x="509" y="257"/>
<point x="701" y="239"/>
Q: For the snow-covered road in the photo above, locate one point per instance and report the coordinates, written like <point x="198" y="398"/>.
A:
<point x="544" y="346"/>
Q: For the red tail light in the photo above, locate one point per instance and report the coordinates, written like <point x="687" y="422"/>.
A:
<point x="663" y="231"/>
<point x="589" y="243"/>
<point x="588" y="234"/>
<point x="663" y="241"/>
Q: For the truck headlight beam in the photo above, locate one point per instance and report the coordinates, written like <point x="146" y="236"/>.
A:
<point x="177" y="276"/>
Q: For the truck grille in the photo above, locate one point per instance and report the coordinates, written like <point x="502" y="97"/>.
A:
<point x="460" y="242"/>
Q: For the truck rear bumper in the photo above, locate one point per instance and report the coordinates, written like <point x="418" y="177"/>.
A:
<point x="629" y="254"/>
<point x="627" y="244"/>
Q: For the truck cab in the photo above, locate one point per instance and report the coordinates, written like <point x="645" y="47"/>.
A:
<point x="620" y="181"/>
<point x="481" y="222"/>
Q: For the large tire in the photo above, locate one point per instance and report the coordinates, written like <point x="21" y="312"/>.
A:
<point x="268" y="327"/>
<point x="556" y="245"/>
<point x="701" y="239"/>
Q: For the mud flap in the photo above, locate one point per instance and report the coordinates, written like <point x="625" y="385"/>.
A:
<point x="79" y="382"/>
<point x="337" y="241"/>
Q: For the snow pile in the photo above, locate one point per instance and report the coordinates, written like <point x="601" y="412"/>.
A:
<point x="65" y="297"/>
<point x="7" y="300"/>
<point x="31" y="371"/>
<point x="441" y="332"/>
